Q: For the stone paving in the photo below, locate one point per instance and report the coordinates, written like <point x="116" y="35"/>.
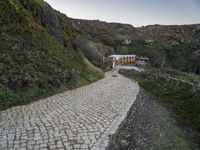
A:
<point x="77" y="119"/>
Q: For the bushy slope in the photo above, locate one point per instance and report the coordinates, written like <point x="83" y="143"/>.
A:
<point x="166" y="46"/>
<point x="38" y="53"/>
<point x="94" y="51"/>
<point x="103" y="32"/>
<point x="177" y="89"/>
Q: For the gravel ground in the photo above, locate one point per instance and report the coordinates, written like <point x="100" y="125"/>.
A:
<point x="150" y="125"/>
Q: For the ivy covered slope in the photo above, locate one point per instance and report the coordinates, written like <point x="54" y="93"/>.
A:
<point x="38" y="54"/>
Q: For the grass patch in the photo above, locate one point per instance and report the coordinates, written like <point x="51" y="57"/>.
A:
<point x="183" y="97"/>
<point x="38" y="54"/>
<point x="17" y="88"/>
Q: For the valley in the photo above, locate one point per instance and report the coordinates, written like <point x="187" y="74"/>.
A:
<point x="68" y="83"/>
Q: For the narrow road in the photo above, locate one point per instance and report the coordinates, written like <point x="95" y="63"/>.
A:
<point x="77" y="119"/>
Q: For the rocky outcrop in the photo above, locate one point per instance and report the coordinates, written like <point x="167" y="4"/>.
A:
<point x="48" y="18"/>
<point x="150" y="41"/>
<point x="127" y="42"/>
<point x="196" y="30"/>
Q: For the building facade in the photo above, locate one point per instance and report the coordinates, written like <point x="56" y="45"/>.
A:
<point x="122" y="59"/>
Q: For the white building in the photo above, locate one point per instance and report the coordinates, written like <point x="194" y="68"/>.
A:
<point x="122" y="59"/>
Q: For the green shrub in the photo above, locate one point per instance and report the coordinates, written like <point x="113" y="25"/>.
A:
<point x="183" y="97"/>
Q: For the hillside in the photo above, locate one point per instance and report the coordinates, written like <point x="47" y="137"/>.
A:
<point x="44" y="52"/>
<point x="167" y="46"/>
<point x="38" y="53"/>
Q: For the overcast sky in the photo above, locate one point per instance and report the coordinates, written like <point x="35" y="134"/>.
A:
<point x="135" y="12"/>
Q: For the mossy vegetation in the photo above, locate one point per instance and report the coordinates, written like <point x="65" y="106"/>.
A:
<point x="38" y="59"/>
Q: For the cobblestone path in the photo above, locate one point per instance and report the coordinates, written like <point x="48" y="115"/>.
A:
<point x="77" y="119"/>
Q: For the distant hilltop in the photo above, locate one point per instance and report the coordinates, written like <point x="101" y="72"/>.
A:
<point x="151" y="32"/>
<point x="176" y="46"/>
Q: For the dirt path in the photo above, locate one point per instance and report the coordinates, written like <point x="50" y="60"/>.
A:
<point x="78" y="119"/>
<point x="150" y="125"/>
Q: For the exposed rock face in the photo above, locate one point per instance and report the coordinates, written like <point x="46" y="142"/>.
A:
<point x="196" y="30"/>
<point x="50" y="20"/>
<point x="150" y="41"/>
<point x="127" y="42"/>
<point x="55" y="22"/>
